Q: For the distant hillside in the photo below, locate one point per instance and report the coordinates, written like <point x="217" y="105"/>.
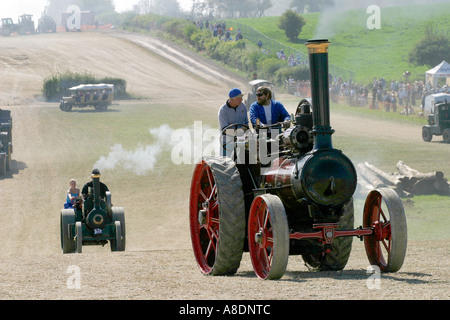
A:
<point x="367" y="53"/>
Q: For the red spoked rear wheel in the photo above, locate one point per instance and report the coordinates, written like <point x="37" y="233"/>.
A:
<point x="386" y="248"/>
<point x="268" y="237"/>
<point x="217" y="216"/>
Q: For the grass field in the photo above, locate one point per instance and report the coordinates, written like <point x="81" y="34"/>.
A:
<point x="368" y="53"/>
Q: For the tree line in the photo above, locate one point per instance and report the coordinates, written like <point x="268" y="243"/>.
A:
<point x="223" y="9"/>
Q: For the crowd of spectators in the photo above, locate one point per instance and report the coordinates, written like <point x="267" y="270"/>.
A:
<point x="350" y="92"/>
<point x="403" y="95"/>
<point x="396" y="96"/>
<point x="291" y="61"/>
<point x="219" y="30"/>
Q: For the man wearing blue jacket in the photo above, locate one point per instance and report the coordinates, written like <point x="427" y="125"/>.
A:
<point x="266" y="110"/>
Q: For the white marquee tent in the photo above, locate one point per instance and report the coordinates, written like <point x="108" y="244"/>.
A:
<point x="442" y="70"/>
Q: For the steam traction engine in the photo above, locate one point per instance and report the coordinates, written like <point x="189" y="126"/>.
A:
<point x="301" y="203"/>
<point x="92" y="221"/>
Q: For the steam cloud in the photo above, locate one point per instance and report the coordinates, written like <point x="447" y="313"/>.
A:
<point x="332" y="15"/>
<point x="144" y="158"/>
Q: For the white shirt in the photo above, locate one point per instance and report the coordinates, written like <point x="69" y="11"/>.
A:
<point x="268" y="112"/>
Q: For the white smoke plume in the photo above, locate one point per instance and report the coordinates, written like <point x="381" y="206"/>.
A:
<point x="188" y="145"/>
<point x="332" y="16"/>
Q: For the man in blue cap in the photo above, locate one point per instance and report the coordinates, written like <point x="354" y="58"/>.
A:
<point x="233" y="112"/>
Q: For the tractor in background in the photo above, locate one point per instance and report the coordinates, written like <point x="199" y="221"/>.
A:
<point x="438" y="123"/>
<point x="24" y="26"/>
<point x="46" y="24"/>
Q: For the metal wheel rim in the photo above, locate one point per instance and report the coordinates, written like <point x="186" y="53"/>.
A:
<point x="386" y="248"/>
<point x="268" y="237"/>
<point x="205" y="234"/>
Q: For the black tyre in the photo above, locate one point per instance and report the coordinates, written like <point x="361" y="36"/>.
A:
<point x="119" y="243"/>
<point x="340" y="248"/>
<point x="446" y="135"/>
<point x="8" y="158"/>
<point x="68" y="244"/>
<point x="118" y="215"/>
<point x="426" y="134"/>
<point x="79" y="237"/>
<point x="65" y="106"/>
<point x="2" y="165"/>
<point x="217" y="216"/>
<point x="6" y="31"/>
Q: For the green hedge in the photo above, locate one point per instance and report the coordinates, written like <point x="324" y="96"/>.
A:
<point x="243" y="54"/>
<point x="56" y="86"/>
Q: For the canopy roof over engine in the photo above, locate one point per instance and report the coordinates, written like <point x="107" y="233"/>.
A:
<point x="100" y="86"/>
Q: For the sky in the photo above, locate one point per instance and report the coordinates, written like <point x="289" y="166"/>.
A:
<point x="13" y="9"/>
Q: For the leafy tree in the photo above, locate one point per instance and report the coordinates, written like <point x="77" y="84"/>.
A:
<point x="310" y="5"/>
<point x="55" y="7"/>
<point x="162" y="7"/>
<point x="261" y="6"/>
<point x="292" y="24"/>
<point x="230" y="8"/>
<point x="97" y="6"/>
<point x="431" y="49"/>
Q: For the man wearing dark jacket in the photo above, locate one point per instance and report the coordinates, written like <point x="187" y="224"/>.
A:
<point x="103" y="188"/>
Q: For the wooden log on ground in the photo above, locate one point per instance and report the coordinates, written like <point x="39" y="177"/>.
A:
<point x="424" y="183"/>
<point x="370" y="176"/>
<point x="363" y="187"/>
<point x="409" y="172"/>
<point x="403" y="169"/>
<point x="428" y="185"/>
<point x="385" y="177"/>
<point x="364" y="184"/>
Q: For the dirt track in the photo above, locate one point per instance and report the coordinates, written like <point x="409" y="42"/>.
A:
<point x="31" y="265"/>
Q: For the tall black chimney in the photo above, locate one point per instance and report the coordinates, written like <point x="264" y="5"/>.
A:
<point x="320" y="95"/>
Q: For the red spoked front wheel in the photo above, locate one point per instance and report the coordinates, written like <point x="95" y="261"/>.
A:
<point x="386" y="248"/>
<point x="268" y="237"/>
<point x="217" y="216"/>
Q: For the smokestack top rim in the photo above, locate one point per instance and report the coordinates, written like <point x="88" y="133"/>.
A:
<point x="316" y="40"/>
<point x="317" y="46"/>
